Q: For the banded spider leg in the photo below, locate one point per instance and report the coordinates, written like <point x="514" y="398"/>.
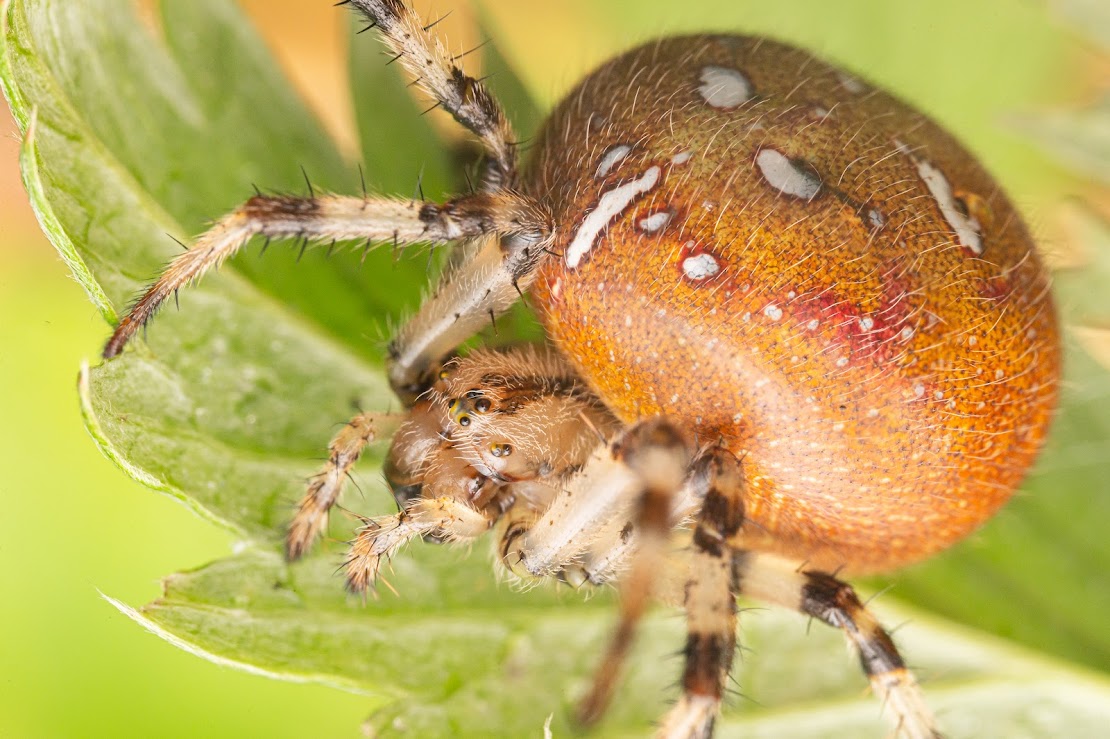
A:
<point x="718" y="569"/>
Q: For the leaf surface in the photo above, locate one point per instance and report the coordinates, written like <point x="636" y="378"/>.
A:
<point x="130" y="134"/>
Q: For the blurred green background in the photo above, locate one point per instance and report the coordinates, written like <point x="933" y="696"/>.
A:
<point x="72" y="525"/>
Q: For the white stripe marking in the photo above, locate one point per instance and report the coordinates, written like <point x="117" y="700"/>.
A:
<point x="612" y="204"/>
<point x="611" y="158"/>
<point x="655" y="222"/>
<point x="941" y="190"/>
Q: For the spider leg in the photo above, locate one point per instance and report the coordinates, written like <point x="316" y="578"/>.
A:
<point x="821" y="595"/>
<point x="325" y="487"/>
<point x="328" y="218"/>
<point x="379" y="538"/>
<point x="603" y="490"/>
<point x="464" y="97"/>
<point x="710" y="600"/>
<point x="643" y="470"/>
<point x="467" y="297"/>
<point x="660" y="458"/>
<point x="615" y="542"/>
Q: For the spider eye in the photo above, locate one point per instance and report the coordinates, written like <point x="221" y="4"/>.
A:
<point x="444" y="374"/>
<point x="464" y="420"/>
<point x="482" y="405"/>
<point x="500" y="450"/>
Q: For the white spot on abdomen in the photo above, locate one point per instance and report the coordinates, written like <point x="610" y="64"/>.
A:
<point x="787" y="176"/>
<point x="773" y="312"/>
<point x="875" y="218"/>
<point x="655" y="222"/>
<point x="966" y="231"/>
<point x="700" y="266"/>
<point x="611" y="204"/>
<point x="722" y="87"/>
<point x="611" y="158"/>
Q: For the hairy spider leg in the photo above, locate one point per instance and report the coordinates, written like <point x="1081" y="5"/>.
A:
<point x="602" y="491"/>
<point x="434" y="69"/>
<point x="325" y="487"/>
<point x="777" y="580"/>
<point x="719" y="568"/>
<point x="604" y="560"/>
<point x="381" y="537"/>
<point x="330" y="218"/>
<point x="468" y="296"/>
<point x="659" y="456"/>
<point x="710" y="597"/>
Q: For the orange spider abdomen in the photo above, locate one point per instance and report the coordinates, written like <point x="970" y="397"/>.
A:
<point x="772" y="252"/>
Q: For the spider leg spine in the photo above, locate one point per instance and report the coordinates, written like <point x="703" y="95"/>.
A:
<point x="340" y="218"/>
<point x="777" y="580"/>
<point x="326" y="486"/>
<point x="710" y="597"/>
<point x="467" y="99"/>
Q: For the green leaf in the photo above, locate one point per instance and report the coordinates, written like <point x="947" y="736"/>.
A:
<point x="506" y="85"/>
<point x="130" y="135"/>
<point x="387" y="113"/>
<point x="188" y="409"/>
<point x="44" y="211"/>
<point x="439" y="655"/>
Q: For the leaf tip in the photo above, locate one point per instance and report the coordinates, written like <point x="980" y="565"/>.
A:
<point x="147" y="623"/>
<point x="31" y="128"/>
<point x="144" y="619"/>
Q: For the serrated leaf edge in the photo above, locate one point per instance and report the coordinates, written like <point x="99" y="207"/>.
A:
<point x="100" y="438"/>
<point x="26" y="123"/>
<point x="157" y="212"/>
<point x="16" y="103"/>
<point x="139" y="618"/>
<point x="32" y="182"/>
<point x="52" y="227"/>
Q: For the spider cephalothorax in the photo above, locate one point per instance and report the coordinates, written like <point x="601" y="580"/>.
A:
<point x="785" y="311"/>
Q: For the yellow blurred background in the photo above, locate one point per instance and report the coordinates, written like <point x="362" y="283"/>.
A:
<point x="71" y="525"/>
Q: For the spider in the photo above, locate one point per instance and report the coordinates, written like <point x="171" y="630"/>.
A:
<point x="791" y="322"/>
